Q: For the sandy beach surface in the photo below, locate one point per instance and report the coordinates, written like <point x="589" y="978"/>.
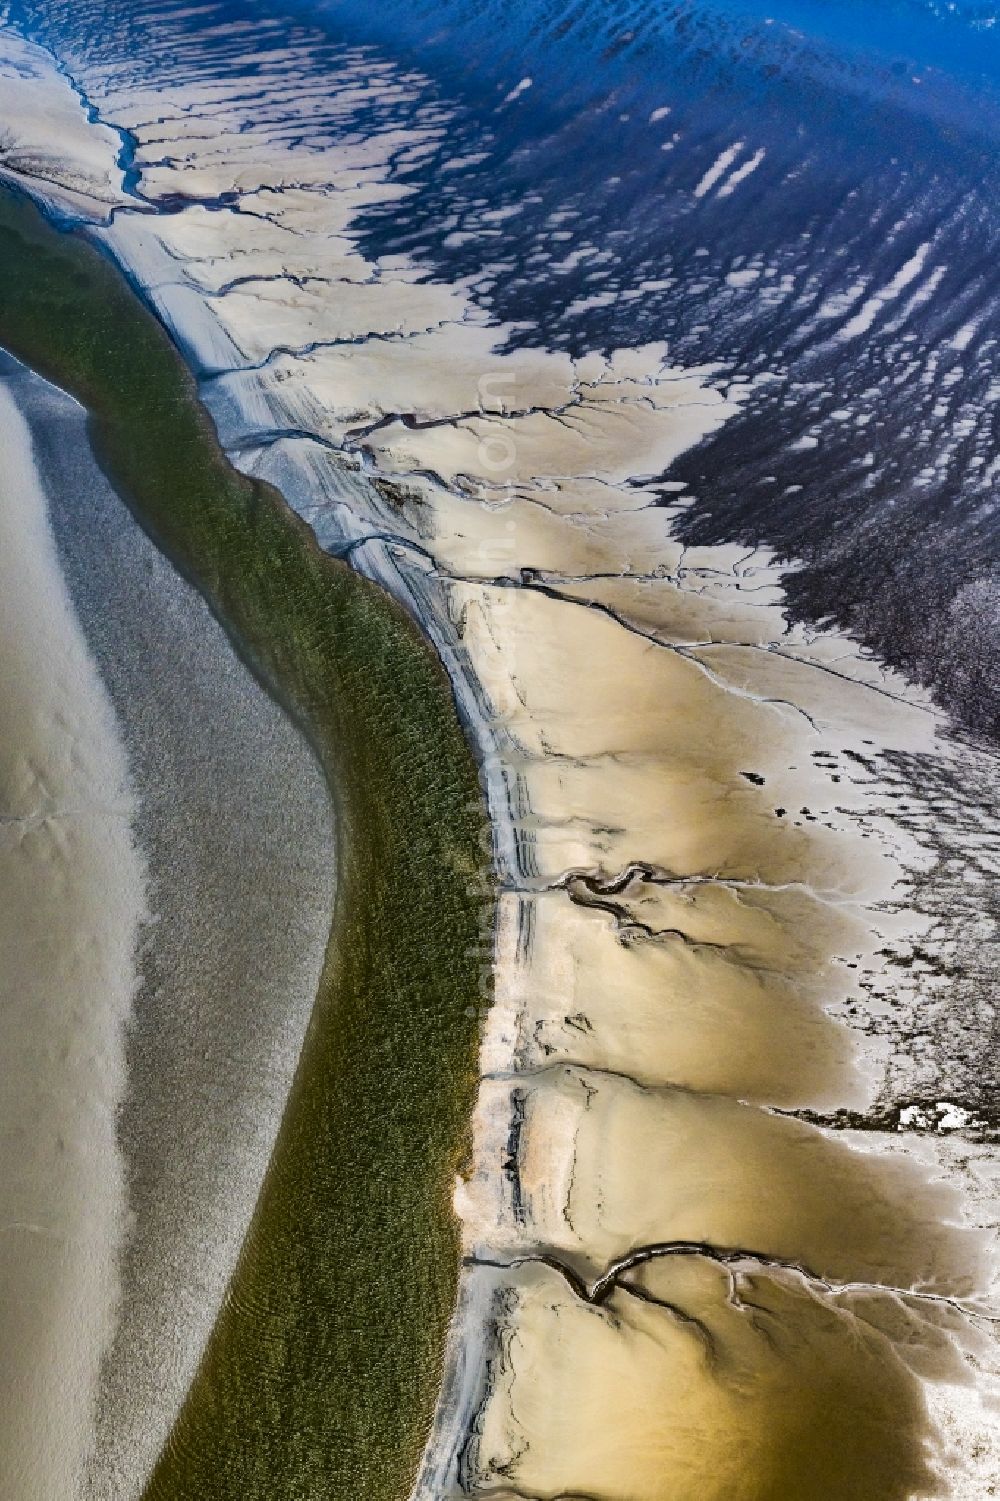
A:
<point x="72" y="898"/>
<point x="232" y="829"/>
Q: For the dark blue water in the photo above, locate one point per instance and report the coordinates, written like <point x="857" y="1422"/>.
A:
<point x="858" y="262"/>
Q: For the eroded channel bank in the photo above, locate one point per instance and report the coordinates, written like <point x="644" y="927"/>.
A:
<point x="326" y="1359"/>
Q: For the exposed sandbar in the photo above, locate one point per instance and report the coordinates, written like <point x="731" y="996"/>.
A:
<point x="236" y="826"/>
<point x="72" y="898"/>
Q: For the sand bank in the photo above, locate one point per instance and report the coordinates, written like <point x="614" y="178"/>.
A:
<point x="73" y="898"/>
<point x="235" y="824"/>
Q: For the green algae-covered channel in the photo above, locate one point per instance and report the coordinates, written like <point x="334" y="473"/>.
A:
<point x="322" y="1372"/>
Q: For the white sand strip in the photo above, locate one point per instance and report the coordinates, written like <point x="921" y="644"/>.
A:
<point x="72" y="897"/>
<point x="236" y="826"/>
